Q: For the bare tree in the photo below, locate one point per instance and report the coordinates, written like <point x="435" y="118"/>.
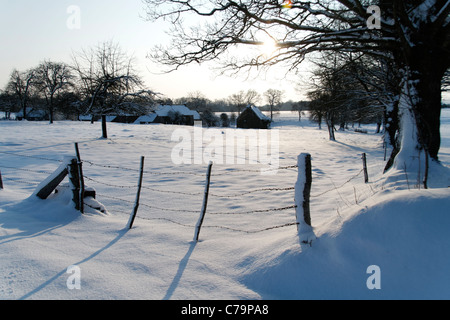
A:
<point x="110" y="84"/>
<point x="195" y="100"/>
<point x="20" y="86"/>
<point x="415" y="35"/>
<point x="273" y="97"/>
<point x="52" y="78"/>
<point x="252" y="97"/>
<point x="239" y="100"/>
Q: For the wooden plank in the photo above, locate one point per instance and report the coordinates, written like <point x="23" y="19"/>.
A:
<point x="58" y="176"/>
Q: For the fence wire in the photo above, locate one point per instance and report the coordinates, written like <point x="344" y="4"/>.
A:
<point x="166" y="199"/>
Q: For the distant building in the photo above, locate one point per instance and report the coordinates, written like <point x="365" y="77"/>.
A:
<point x="252" y="118"/>
<point x="176" y="114"/>
<point x="168" y="114"/>
<point x="33" y="115"/>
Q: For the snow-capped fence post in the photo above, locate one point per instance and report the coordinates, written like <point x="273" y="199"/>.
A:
<point x="74" y="178"/>
<point x="205" y="202"/>
<point x="366" y="175"/>
<point x="80" y="173"/>
<point x="302" y="199"/>
<point x="138" y="195"/>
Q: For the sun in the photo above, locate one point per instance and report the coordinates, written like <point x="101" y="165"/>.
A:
<point x="268" y="48"/>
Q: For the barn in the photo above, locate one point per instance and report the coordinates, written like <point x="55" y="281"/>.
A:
<point x="252" y="118"/>
<point x="176" y="114"/>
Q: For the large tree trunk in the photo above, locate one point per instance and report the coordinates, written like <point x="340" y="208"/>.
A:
<point x="419" y="113"/>
<point x="423" y="65"/>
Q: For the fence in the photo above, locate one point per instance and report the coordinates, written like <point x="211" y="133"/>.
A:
<point x="183" y="197"/>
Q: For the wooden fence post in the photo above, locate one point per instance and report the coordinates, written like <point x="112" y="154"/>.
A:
<point x="1" y="181"/>
<point x="138" y="194"/>
<point x="366" y="175"/>
<point x="80" y="174"/>
<point x="302" y="198"/>
<point x="205" y="203"/>
<point x="74" y="178"/>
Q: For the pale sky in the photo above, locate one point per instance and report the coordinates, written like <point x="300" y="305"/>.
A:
<point x="31" y="31"/>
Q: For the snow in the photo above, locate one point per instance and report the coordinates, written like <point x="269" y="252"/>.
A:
<point x="402" y="230"/>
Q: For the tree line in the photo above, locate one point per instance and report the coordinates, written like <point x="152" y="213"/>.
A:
<point x="99" y="81"/>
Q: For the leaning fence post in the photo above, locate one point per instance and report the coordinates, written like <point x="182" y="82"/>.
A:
<point x="80" y="175"/>
<point x="138" y="194"/>
<point x="205" y="203"/>
<point x="302" y="198"/>
<point x="366" y="175"/>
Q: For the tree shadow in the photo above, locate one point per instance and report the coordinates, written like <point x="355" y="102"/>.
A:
<point x="182" y="266"/>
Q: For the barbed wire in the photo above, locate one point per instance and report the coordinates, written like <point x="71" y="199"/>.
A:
<point x="251" y="192"/>
<point x="26" y="169"/>
<point x="212" y="226"/>
<point x="337" y="188"/>
<point x="255" y="211"/>
<point x="21" y="181"/>
<point x="28" y="156"/>
<point x="215" y="191"/>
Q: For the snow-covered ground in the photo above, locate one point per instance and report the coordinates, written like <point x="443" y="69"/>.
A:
<point x="249" y="246"/>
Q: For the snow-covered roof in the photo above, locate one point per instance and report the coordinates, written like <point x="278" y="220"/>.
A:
<point x="258" y="112"/>
<point x="163" y="111"/>
<point x="149" y="118"/>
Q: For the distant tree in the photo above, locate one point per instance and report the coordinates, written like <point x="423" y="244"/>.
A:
<point x="273" y="97"/>
<point x="51" y="79"/>
<point x="109" y="83"/>
<point x="210" y="119"/>
<point x="195" y="100"/>
<point x="20" y="86"/>
<point x="252" y="97"/>
<point x="8" y="104"/>
<point x="224" y="120"/>
<point x="238" y="101"/>
<point x="299" y="106"/>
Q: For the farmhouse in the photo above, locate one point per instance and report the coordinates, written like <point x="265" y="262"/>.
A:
<point x="167" y="114"/>
<point x="176" y="114"/>
<point x="252" y="118"/>
<point x="33" y="115"/>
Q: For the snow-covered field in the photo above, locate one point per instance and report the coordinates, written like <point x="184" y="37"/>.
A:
<point x="249" y="246"/>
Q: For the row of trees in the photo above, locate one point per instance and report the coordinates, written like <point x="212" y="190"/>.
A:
<point x="100" y="81"/>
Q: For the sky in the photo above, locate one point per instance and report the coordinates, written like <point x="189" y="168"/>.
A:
<point x="33" y="31"/>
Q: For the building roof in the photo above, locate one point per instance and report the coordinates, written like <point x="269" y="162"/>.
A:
<point x="149" y="118"/>
<point x="258" y="112"/>
<point x="163" y="111"/>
